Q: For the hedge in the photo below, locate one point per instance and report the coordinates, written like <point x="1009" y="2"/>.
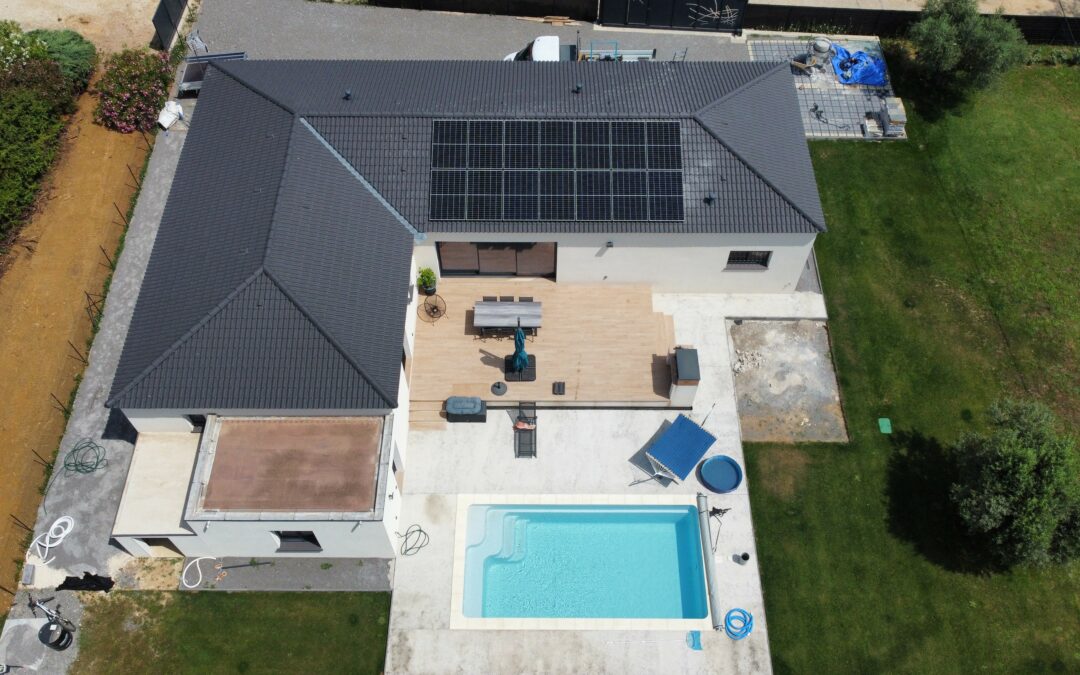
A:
<point x="75" y="55"/>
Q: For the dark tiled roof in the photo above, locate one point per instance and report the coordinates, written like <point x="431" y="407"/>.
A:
<point x="281" y="267"/>
<point x="494" y="88"/>
<point x="770" y="100"/>
<point x="279" y="282"/>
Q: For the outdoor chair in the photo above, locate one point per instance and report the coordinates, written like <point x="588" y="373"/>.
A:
<point x="525" y="298"/>
<point x="525" y="439"/>
<point x="490" y="298"/>
<point x="506" y="298"/>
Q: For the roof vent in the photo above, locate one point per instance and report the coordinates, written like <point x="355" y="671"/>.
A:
<point x="348" y="95"/>
<point x="710" y="198"/>
<point x="577" y="88"/>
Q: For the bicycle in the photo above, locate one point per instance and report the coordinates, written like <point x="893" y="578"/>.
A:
<point x="51" y="614"/>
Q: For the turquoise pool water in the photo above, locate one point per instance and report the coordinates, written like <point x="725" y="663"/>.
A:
<point x="528" y="561"/>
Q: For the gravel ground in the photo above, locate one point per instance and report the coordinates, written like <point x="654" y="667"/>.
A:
<point x="292" y="574"/>
<point x="298" y="29"/>
<point x="784" y="382"/>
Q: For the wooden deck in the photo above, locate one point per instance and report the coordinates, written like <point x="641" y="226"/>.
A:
<point x="604" y="341"/>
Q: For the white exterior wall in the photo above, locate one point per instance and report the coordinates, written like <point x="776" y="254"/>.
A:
<point x="157" y="421"/>
<point x="164" y="420"/>
<point x="673" y="263"/>
<point x="410" y="317"/>
<point x="253" y="538"/>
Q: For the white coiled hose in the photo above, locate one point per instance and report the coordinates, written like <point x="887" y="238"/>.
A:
<point x="46" y="541"/>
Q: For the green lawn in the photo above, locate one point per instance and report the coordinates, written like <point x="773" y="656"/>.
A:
<point x="217" y="632"/>
<point x="952" y="275"/>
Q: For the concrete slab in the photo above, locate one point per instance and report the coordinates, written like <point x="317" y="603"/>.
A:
<point x="785" y="382"/>
<point x="157" y="485"/>
<point x="291" y="574"/>
<point x="829" y="109"/>
<point x="291" y="29"/>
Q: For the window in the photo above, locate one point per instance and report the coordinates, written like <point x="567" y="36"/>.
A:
<point x="748" y="260"/>
<point x="496" y="259"/>
<point x="297" y="541"/>
<point x="628" y="170"/>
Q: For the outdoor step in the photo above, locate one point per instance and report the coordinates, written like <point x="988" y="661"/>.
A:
<point x="431" y="425"/>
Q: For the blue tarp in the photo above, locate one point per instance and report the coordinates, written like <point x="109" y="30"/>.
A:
<point x="680" y="447"/>
<point x="858" y="68"/>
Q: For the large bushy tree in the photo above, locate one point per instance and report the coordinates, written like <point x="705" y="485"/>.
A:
<point x="960" y="50"/>
<point x="1018" y="488"/>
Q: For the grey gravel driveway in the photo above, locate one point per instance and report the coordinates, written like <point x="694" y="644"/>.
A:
<point x="298" y="29"/>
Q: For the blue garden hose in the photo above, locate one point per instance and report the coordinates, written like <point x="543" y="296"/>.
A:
<point x="738" y="623"/>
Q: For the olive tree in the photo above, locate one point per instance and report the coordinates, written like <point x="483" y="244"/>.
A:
<point x="960" y="50"/>
<point x="1017" y="491"/>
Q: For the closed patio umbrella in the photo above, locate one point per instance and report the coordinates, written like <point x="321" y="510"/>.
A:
<point x="520" y="360"/>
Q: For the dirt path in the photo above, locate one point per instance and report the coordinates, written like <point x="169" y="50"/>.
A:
<point x="110" y="24"/>
<point x="42" y="307"/>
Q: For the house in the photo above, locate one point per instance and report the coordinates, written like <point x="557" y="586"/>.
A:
<point x="268" y="364"/>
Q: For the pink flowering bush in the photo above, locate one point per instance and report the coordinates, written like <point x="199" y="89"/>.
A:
<point x="133" y="90"/>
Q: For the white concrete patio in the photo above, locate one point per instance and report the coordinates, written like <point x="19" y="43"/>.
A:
<point x="583" y="452"/>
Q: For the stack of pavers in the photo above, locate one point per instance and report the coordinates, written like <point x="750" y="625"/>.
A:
<point x="893" y="117"/>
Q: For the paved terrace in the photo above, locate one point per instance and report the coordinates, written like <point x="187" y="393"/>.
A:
<point x="582" y="452"/>
<point x="605" y="342"/>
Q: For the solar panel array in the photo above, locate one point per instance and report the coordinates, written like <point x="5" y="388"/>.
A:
<point x="556" y="170"/>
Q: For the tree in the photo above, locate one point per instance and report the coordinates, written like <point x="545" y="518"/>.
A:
<point x="1018" y="489"/>
<point x="960" y="50"/>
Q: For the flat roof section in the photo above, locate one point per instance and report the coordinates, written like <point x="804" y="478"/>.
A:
<point x="300" y="464"/>
<point x="157" y="485"/>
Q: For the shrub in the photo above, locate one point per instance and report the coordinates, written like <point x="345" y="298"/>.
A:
<point x="133" y="90"/>
<point x="44" y="78"/>
<point x="1054" y="55"/>
<point x="961" y="50"/>
<point x="28" y="141"/>
<point x="75" y="54"/>
<point x="16" y="47"/>
<point x="1018" y="489"/>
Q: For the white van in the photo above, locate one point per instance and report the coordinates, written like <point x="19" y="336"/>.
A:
<point x="544" y="48"/>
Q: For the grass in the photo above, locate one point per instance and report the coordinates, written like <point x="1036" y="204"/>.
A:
<point x="216" y="632"/>
<point x="951" y="273"/>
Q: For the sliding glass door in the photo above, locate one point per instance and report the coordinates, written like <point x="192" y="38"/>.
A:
<point x="497" y="259"/>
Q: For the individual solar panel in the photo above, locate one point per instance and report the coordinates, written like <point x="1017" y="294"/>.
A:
<point x="556" y="170"/>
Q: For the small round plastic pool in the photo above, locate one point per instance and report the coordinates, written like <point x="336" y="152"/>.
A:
<point x="720" y="473"/>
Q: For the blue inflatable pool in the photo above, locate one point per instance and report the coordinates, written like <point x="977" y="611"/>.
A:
<point x="720" y="474"/>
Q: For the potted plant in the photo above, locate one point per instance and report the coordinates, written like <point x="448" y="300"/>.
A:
<point x="426" y="280"/>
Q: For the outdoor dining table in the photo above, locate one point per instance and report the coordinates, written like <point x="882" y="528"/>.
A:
<point x="506" y="314"/>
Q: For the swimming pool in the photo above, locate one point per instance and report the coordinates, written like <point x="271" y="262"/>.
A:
<point x="571" y="561"/>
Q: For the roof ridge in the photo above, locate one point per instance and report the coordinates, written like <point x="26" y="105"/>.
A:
<point x="392" y="401"/>
<point x="186" y="336"/>
<point x="286" y="165"/>
<point x="737" y="90"/>
<point x="221" y="67"/>
<point x="715" y="134"/>
<point x="417" y="234"/>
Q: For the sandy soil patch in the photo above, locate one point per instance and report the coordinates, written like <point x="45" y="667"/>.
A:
<point x="43" y="306"/>
<point x="110" y="24"/>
